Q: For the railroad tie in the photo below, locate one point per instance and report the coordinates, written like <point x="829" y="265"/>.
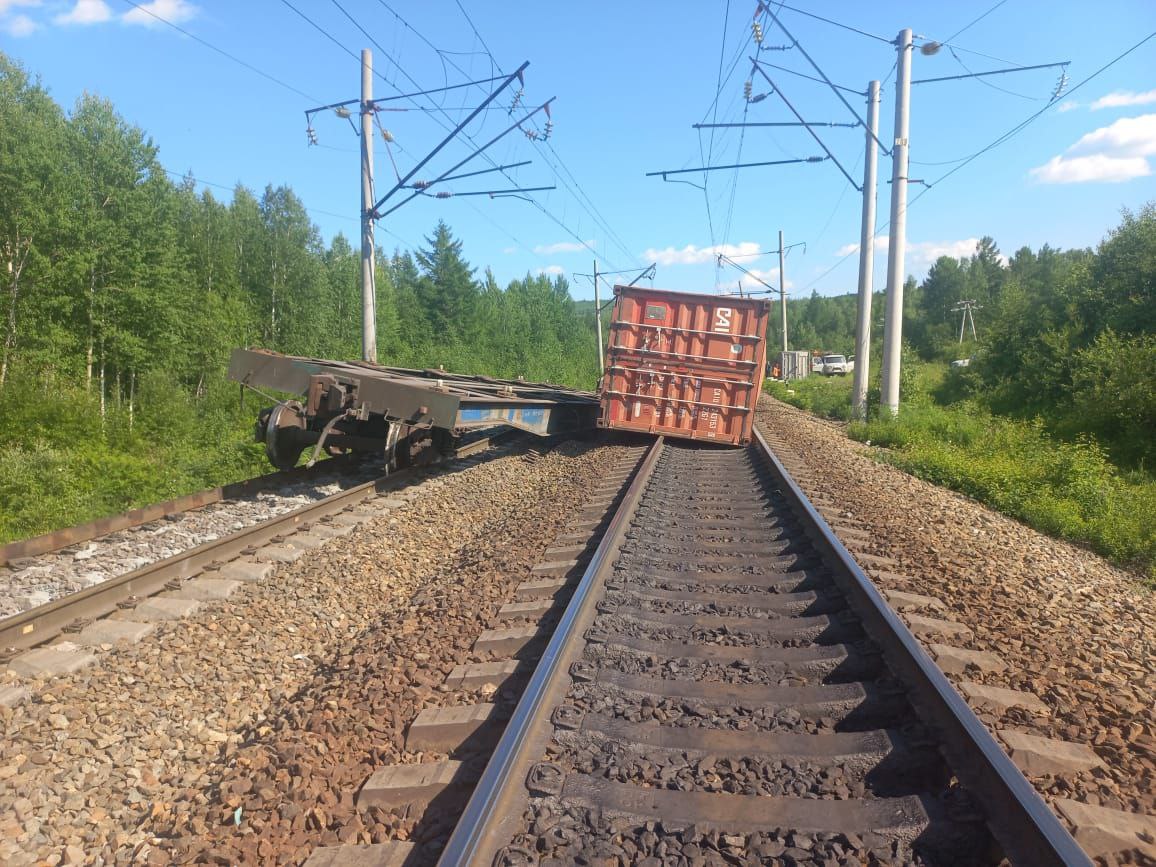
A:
<point x="392" y="854"/>
<point x="1103" y="831"/>
<point x="448" y="729"/>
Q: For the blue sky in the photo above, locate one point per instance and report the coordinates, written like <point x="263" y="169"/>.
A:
<point x="630" y="80"/>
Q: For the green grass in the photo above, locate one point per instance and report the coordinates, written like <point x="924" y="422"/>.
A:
<point x="1068" y="489"/>
<point x="828" y="396"/>
<point x="59" y="465"/>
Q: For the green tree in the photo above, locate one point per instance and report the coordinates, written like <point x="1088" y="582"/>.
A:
<point x="447" y="290"/>
<point x="34" y="186"/>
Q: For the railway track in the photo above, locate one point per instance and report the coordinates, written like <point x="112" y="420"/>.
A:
<point x="126" y="606"/>
<point x="722" y="685"/>
<point x="696" y="672"/>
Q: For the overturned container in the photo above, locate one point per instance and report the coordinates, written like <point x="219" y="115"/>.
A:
<point x="684" y="365"/>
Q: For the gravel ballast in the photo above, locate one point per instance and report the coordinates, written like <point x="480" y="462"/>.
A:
<point x="1072" y="629"/>
<point x="32" y="581"/>
<point x="241" y="734"/>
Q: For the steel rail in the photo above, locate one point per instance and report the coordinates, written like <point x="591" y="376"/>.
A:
<point x="1023" y="824"/>
<point x="495" y="788"/>
<point x="45" y="622"/>
<point x="46" y="543"/>
<point x="1028" y="830"/>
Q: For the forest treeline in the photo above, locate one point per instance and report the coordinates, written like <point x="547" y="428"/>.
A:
<point x="123" y="290"/>
<point x="112" y="270"/>
<point x="1066" y="336"/>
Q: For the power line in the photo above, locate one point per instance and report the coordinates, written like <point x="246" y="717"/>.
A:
<point x="329" y="35"/>
<point x="437" y="108"/>
<point x="233" y="189"/>
<point x="835" y="90"/>
<point x="220" y="51"/>
<point x="579" y="195"/>
<point x="1031" y="118"/>
<point x="562" y="172"/>
<point x="795" y="72"/>
<point x="1000" y="140"/>
<point x="975" y="21"/>
<point x="971" y="74"/>
<point x="814" y="134"/>
<point x="735" y="180"/>
<point x="714" y="106"/>
<point x="470" y="21"/>
<point x="842" y="25"/>
<point x="981" y="76"/>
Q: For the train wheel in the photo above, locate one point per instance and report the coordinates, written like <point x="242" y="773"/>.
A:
<point x="282" y="446"/>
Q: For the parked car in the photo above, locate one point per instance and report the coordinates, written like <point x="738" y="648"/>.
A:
<point x="837" y="365"/>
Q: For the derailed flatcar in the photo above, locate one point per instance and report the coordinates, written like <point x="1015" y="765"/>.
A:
<point x="356" y="406"/>
<point x="684" y="365"/>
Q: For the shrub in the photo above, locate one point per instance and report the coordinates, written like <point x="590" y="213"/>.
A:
<point x="1067" y="489"/>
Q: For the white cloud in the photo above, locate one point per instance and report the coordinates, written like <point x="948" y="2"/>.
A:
<point x="552" y="270"/>
<point x="847" y="249"/>
<point x="1098" y="167"/>
<point x="562" y="247"/>
<point x="692" y="255"/>
<point x="85" y="12"/>
<point x="920" y="255"/>
<point x="1127" y="137"/>
<point x="1111" y="154"/>
<point x="1068" y="105"/>
<point x="173" y="11"/>
<point x="1123" y="98"/>
<point x="19" y="25"/>
<point x="508" y="250"/>
<point x="7" y="5"/>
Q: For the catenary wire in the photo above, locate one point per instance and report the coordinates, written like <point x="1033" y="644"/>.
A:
<point x="975" y="21"/>
<point x="220" y="51"/>
<point x="561" y="170"/>
<point x="998" y="141"/>
<point x="204" y="183"/>
<point x="987" y="83"/>
<point x="400" y="69"/>
<point x="874" y="36"/>
<point x="1032" y="118"/>
<point x="579" y="194"/>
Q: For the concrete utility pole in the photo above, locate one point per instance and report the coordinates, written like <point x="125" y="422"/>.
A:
<point x="598" y="321"/>
<point x="897" y="243"/>
<point x="783" y="287"/>
<point x="368" y="280"/>
<point x="866" y="258"/>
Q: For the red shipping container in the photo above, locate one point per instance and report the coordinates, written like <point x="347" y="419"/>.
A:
<point x="684" y="365"/>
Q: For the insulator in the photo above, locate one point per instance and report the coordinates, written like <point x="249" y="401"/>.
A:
<point x="312" y="133"/>
<point x="444" y="194"/>
<point x="757" y="30"/>
<point x="530" y="134"/>
<point x="387" y="135"/>
<point x="747" y="88"/>
<point x="759" y="98"/>
<point x="420" y="185"/>
<point x="341" y="111"/>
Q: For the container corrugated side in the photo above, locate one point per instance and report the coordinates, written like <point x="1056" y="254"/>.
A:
<point x="684" y="365"/>
<point x="795" y="364"/>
